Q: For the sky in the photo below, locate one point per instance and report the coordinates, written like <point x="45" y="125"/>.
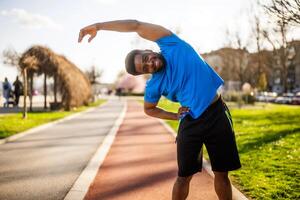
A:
<point x="56" y="24"/>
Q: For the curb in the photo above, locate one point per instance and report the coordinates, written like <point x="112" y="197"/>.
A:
<point x="236" y="194"/>
<point x="83" y="182"/>
<point x="44" y="126"/>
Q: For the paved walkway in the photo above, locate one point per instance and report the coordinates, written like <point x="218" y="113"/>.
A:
<point x="45" y="165"/>
<point x="141" y="164"/>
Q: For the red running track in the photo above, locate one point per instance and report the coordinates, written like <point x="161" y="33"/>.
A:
<point x="141" y="164"/>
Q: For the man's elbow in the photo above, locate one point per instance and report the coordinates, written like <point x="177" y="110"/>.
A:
<point x="147" y="111"/>
<point x="150" y="108"/>
<point x="135" y="24"/>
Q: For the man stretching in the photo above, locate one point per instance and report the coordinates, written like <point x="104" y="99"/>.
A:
<point x="181" y="75"/>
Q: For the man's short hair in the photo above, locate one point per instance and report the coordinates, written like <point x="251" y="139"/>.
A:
<point x="129" y="62"/>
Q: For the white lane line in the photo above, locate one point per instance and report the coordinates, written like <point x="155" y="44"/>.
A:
<point x="82" y="184"/>
<point x="236" y="194"/>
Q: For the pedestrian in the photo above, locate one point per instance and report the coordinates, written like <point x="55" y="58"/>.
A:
<point x="119" y="92"/>
<point x="6" y="88"/>
<point x="181" y="75"/>
<point x="18" y="90"/>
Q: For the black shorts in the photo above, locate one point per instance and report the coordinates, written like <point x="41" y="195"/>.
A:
<point x="214" y="129"/>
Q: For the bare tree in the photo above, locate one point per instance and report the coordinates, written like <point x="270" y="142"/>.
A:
<point x="258" y="66"/>
<point x="238" y="57"/>
<point x="279" y="43"/>
<point x="285" y="10"/>
<point x="94" y="74"/>
<point x="11" y="57"/>
<point x="242" y="60"/>
<point x="257" y="33"/>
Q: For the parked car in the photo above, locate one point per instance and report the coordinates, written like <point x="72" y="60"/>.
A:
<point x="266" y="96"/>
<point x="286" y="98"/>
<point x="296" y="99"/>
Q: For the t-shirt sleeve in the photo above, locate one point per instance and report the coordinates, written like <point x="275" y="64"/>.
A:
<point x="152" y="94"/>
<point x="168" y="41"/>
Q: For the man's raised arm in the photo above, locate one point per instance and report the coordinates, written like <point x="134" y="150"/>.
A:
<point x="145" y="30"/>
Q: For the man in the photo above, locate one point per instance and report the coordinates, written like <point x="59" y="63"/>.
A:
<point x="181" y="75"/>
<point x="18" y="87"/>
<point x="6" y="88"/>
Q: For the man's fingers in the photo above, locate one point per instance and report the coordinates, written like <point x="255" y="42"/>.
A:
<point x="81" y="35"/>
<point x="84" y="32"/>
<point x="184" y="109"/>
<point x="92" y="37"/>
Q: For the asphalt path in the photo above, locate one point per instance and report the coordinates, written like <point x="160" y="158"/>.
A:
<point x="45" y="165"/>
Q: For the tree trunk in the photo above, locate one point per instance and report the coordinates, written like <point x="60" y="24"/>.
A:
<point x="30" y="92"/>
<point x="260" y="71"/>
<point x="284" y="57"/>
<point x="25" y="93"/>
<point x="45" y="91"/>
<point x="55" y="88"/>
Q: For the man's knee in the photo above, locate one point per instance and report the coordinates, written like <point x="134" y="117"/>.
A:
<point x="221" y="175"/>
<point x="183" y="180"/>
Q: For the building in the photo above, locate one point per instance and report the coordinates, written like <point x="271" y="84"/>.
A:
<point x="238" y="66"/>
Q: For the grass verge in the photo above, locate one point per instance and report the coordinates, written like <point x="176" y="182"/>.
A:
<point x="268" y="139"/>
<point x="11" y="124"/>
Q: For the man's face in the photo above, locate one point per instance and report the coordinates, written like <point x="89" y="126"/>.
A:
<point x="148" y="62"/>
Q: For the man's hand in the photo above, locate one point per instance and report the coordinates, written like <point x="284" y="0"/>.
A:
<point x="147" y="31"/>
<point x="182" y="111"/>
<point x="89" y="30"/>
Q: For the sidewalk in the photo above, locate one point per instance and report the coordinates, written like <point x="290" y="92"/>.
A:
<point x="46" y="163"/>
<point x="141" y="164"/>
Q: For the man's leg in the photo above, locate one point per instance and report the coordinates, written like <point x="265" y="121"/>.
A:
<point x="181" y="188"/>
<point x="17" y="99"/>
<point x="6" y="102"/>
<point x="223" y="186"/>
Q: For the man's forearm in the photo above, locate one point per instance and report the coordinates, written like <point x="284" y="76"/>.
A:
<point x="162" y="114"/>
<point x="119" y="25"/>
<point x="147" y="31"/>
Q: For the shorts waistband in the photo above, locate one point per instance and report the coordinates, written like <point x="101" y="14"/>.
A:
<point x="214" y="104"/>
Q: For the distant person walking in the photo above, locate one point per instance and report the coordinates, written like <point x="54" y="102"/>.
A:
<point x="6" y="88"/>
<point x="18" y="87"/>
<point x="119" y="92"/>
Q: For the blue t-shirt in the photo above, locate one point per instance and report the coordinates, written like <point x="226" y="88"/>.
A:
<point x="186" y="78"/>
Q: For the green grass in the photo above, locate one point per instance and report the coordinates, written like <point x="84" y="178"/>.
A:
<point x="268" y="139"/>
<point x="11" y="124"/>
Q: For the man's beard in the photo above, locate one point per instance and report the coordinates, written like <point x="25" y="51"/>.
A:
<point x="160" y="56"/>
